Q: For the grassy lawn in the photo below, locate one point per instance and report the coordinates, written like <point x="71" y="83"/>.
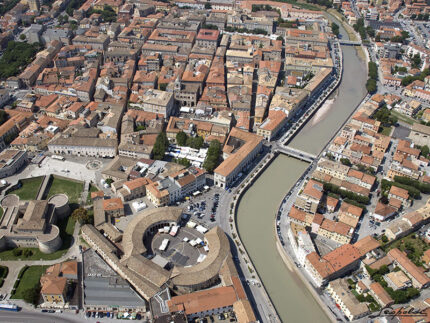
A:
<point x="402" y="117"/>
<point x="30" y="279"/>
<point x="66" y="227"/>
<point x="72" y="189"/>
<point x="386" y="131"/>
<point x="29" y="188"/>
<point x="412" y="245"/>
<point x="92" y="189"/>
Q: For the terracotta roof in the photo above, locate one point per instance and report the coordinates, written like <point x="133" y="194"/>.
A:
<point x="397" y="191"/>
<point x="204" y="300"/>
<point x="113" y="204"/>
<point x="380" y="292"/>
<point x="409" y="266"/>
<point x="343" y="256"/>
<point x="366" y="245"/>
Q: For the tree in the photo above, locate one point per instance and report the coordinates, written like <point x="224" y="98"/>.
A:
<point x="195" y="142"/>
<point x="181" y="138"/>
<point x="22" y="37"/>
<point x="335" y="28"/>
<point x="183" y="161"/>
<point x="416" y="61"/>
<point x="81" y="215"/>
<point x="162" y="86"/>
<point x="109" y="181"/>
<point x="346" y="161"/>
<point x="280" y="38"/>
<point x="27" y="253"/>
<point x="371" y="86"/>
<point x="425" y="150"/>
<point x="31" y="295"/>
<point x="160" y="146"/>
<point x="208" y="6"/>
<point x="213" y="156"/>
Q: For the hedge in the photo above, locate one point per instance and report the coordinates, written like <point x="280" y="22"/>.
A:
<point x="422" y="187"/>
<point x="346" y="194"/>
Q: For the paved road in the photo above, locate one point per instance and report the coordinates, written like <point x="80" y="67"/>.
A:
<point x="25" y="316"/>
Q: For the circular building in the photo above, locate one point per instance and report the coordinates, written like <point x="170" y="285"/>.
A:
<point x="11" y="200"/>
<point x="50" y="241"/>
<point x="61" y="204"/>
<point x="137" y="240"/>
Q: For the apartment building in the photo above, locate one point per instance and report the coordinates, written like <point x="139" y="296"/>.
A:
<point x="310" y="197"/>
<point x="176" y="186"/>
<point x="239" y="151"/>
<point x="332" y="168"/>
<point x="419" y="279"/>
<point x="420" y="134"/>
<point x="155" y="101"/>
<point x="339" y="290"/>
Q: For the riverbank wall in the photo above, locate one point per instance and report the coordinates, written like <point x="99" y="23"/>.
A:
<point x="260" y="168"/>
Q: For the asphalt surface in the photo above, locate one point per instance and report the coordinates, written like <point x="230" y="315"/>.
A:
<point x="25" y="316"/>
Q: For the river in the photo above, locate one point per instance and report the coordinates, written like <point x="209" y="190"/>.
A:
<point x="257" y="209"/>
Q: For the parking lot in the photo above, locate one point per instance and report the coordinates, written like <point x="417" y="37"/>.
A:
<point x="179" y="251"/>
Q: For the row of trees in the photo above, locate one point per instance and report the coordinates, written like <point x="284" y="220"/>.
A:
<point x="422" y="187"/>
<point x="373" y="77"/>
<point x="413" y="192"/>
<point x="257" y="31"/>
<point x="409" y="79"/>
<point x="160" y="146"/>
<point x="335" y="28"/>
<point x="194" y="142"/>
<point x="213" y="156"/>
<point x="328" y="187"/>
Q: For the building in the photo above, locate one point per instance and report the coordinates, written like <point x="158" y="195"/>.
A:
<point x="332" y="168"/>
<point x="134" y="189"/>
<point x="273" y="124"/>
<point x="32" y="226"/>
<point x="335" y="264"/>
<point x="419" y="279"/>
<point x="420" y="134"/>
<point x="239" y="151"/>
<point x="83" y="142"/>
<point x="113" y="207"/>
<point x="106" y="291"/>
<point x="339" y="290"/>
<point x="310" y="197"/>
<point x="380" y="294"/>
<point x="398" y="280"/>
<point x="55" y="282"/>
<point x="399" y="194"/>
<point x="176" y="186"/>
<point x="11" y="160"/>
<point x="207" y="38"/>
<point x="206" y="302"/>
<point x="155" y="101"/>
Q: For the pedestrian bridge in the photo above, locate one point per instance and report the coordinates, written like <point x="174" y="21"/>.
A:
<point x="349" y="42"/>
<point x="296" y="153"/>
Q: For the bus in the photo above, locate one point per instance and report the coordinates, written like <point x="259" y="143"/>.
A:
<point x="9" y="307"/>
<point x="164" y="244"/>
<point x="58" y="157"/>
<point x="174" y="230"/>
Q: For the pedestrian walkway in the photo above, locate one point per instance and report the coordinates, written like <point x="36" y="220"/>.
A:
<point x="42" y="188"/>
<point x="84" y="194"/>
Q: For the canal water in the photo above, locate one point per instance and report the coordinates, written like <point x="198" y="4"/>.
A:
<point x="257" y="209"/>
